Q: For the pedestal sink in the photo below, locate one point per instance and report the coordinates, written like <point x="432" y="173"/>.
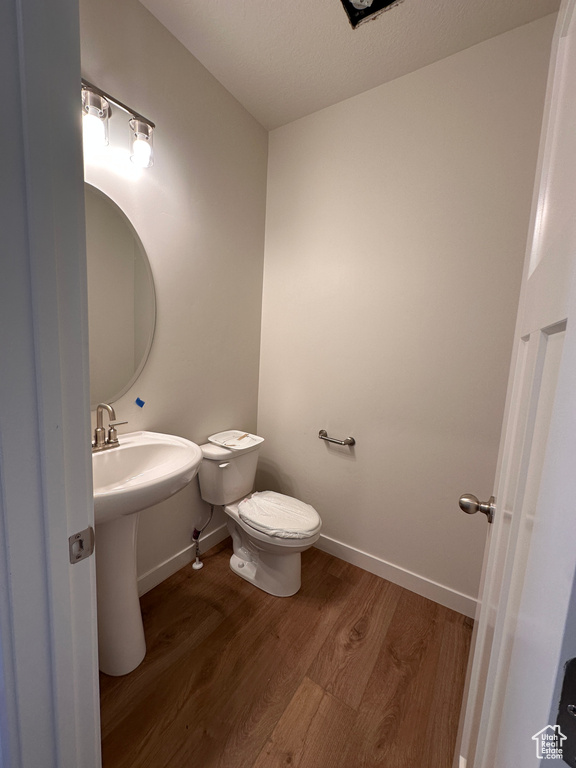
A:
<point x="144" y="469"/>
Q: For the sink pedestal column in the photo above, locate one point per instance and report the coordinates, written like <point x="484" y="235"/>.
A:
<point x="121" y="644"/>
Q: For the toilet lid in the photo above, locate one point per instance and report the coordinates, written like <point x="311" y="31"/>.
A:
<point x="279" y="515"/>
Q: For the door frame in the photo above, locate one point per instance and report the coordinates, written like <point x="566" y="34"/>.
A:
<point x="49" y="701"/>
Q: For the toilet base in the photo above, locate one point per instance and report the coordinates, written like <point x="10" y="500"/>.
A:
<point x="278" y="575"/>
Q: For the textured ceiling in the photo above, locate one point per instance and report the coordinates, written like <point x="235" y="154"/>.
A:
<point x="283" y="59"/>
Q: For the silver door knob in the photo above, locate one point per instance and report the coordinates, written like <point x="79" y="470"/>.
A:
<point x="470" y="504"/>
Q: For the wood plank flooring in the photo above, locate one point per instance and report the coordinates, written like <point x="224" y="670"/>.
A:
<point x="352" y="671"/>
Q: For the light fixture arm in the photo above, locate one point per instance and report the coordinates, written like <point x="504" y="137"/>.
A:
<point x="116" y="102"/>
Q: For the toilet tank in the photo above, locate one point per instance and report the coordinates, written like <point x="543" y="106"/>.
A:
<point x="226" y="475"/>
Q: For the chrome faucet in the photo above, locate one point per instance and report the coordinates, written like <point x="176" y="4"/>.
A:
<point x="101" y="440"/>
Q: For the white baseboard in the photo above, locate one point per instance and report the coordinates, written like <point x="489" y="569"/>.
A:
<point x="159" y="573"/>
<point x="440" y="594"/>
<point x="447" y="597"/>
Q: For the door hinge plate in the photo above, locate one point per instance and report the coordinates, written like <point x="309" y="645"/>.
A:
<point x="81" y="545"/>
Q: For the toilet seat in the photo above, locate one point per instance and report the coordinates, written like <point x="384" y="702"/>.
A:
<point x="280" y="516"/>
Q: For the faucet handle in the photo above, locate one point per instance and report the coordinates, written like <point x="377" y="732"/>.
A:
<point x="112" y="434"/>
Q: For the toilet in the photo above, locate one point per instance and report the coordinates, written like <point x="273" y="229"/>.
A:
<point x="269" y="530"/>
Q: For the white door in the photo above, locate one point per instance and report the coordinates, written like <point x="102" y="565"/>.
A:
<point x="49" y="714"/>
<point x="531" y="554"/>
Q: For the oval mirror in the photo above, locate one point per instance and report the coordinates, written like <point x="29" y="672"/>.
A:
<point x="121" y="299"/>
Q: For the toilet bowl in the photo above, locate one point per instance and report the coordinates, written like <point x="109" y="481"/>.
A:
<point x="268" y="561"/>
<point x="269" y="530"/>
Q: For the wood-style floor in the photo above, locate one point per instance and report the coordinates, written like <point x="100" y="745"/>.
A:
<point x="352" y="671"/>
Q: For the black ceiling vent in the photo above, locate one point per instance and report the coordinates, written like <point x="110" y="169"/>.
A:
<point x="362" y="10"/>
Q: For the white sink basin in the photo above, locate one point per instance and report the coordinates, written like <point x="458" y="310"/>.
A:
<point x="146" y="468"/>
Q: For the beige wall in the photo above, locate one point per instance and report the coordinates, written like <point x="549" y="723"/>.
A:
<point x="200" y="214"/>
<point x="395" y="236"/>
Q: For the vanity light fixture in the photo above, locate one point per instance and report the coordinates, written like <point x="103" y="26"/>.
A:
<point x="96" y="108"/>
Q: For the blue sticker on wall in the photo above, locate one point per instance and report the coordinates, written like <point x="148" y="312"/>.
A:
<point x="139" y="402"/>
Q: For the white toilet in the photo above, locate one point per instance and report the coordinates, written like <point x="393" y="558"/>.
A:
<point x="269" y="530"/>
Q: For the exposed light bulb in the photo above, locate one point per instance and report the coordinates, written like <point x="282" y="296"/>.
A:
<point x="95" y="113"/>
<point x="93" y="132"/>
<point x="141" y="152"/>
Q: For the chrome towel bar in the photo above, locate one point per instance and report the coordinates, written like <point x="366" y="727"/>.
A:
<point x="323" y="435"/>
